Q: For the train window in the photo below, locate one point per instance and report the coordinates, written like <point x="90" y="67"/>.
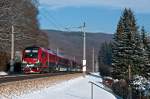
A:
<point x="34" y="51"/>
<point x="31" y="55"/>
<point x="27" y="51"/>
<point x="31" y="52"/>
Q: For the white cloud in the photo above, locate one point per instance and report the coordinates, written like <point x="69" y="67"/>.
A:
<point x="137" y="5"/>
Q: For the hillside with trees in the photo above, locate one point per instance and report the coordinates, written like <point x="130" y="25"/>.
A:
<point x="70" y="44"/>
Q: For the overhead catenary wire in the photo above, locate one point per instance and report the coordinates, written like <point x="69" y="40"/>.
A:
<point x="51" y="19"/>
<point x="47" y="14"/>
<point x="47" y="18"/>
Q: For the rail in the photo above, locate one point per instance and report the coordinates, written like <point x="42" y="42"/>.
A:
<point x="94" y="75"/>
<point x="92" y="96"/>
<point x="11" y="78"/>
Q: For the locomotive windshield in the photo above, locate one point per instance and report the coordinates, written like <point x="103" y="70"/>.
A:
<point x="31" y="52"/>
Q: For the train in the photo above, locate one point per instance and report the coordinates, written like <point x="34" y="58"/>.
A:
<point x="42" y="60"/>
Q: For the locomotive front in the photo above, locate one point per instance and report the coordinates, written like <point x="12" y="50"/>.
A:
<point x="30" y="60"/>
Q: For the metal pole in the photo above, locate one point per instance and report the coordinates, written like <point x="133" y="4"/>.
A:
<point x="84" y="49"/>
<point x="57" y="51"/>
<point x="84" y="43"/>
<point x="93" y="61"/>
<point x="12" y="51"/>
<point x="91" y="90"/>
<point x="96" y="65"/>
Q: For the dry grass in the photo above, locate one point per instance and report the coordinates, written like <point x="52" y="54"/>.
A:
<point x="17" y="88"/>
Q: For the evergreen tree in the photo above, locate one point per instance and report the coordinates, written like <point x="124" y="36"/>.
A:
<point x="144" y="37"/>
<point x="131" y="47"/>
<point x="105" y="54"/>
<point x="146" y="52"/>
<point x="125" y="46"/>
<point x="105" y="59"/>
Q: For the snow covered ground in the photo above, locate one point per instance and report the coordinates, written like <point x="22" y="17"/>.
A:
<point x="78" y="88"/>
<point x="3" y="73"/>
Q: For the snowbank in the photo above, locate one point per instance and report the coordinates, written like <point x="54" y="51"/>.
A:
<point x="3" y="73"/>
<point x="78" y="88"/>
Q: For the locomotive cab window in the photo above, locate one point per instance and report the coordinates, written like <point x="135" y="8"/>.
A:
<point x="31" y="53"/>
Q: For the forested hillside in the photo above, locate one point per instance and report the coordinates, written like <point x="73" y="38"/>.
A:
<point x="71" y="43"/>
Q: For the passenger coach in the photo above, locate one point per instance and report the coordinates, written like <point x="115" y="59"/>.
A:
<point x="40" y="60"/>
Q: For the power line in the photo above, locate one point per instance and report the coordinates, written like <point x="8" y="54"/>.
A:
<point x="54" y="22"/>
<point x="52" y="19"/>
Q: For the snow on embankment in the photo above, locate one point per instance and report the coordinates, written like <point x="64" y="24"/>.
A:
<point x="78" y="88"/>
<point x="3" y="73"/>
<point x="13" y="90"/>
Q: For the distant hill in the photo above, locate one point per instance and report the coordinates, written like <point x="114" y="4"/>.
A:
<point x="71" y="43"/>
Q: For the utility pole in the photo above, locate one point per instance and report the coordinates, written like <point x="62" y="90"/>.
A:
<point x="96" y="65"/>
<point x="84" y="49"/>
<point x="57" y="51"/>
<point x="12" y="51"/>
<point x="93" y="68"/>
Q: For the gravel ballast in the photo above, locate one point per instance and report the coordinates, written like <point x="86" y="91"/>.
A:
<point x="12" y="89"/>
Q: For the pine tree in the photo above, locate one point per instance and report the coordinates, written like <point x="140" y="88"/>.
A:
<point x="144" y="37"/>
<point x="105" y="59"/>
<point x="124" y="49"/>
<point x="105" y="53"/>
<point x="146" y="52"/>
<point x="131" y="47"/>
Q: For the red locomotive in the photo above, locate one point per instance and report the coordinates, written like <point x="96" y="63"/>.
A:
<point x="40" y="60"/>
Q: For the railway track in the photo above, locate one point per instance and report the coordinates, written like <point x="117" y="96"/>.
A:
<point x="11" y="78"/>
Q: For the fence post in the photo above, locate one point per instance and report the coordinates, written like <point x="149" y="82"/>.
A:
<point x="91" y="90"/>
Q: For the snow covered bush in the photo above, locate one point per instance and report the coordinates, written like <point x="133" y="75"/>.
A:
<point x="141" y="85"/>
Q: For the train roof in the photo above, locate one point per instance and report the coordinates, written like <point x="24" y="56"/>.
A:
<point x="53" y="52"/>
<point x="31" y="47"/>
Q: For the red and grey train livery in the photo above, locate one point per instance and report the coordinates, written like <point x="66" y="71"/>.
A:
<point x="40" y="60"/>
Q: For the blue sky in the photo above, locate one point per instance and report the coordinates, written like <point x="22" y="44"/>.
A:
<point x="99" y="15"/>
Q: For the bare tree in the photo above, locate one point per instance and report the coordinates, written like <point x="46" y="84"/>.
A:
<point x="22" y="14"/>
